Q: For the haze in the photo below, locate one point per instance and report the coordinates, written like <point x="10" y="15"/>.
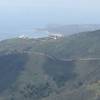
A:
<point x="17" y="16"/>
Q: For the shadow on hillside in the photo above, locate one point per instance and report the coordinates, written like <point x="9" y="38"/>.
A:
<point x="59" y="71"/>
<point x="10" y="67"/>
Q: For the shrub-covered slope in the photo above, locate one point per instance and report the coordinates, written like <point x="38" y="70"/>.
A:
<point x="47" y="69"/>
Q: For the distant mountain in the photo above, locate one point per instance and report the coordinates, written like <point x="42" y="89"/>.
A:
<point x="52" y="29"/>
<point x="67" y="68"/>
<point x="71" y="29"/>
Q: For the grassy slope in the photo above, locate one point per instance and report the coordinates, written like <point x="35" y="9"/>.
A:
<point x="50" y="78"/>
<point x="79" y="45"/>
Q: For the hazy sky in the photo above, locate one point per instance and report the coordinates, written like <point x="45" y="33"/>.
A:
<point x="23" y="15"/>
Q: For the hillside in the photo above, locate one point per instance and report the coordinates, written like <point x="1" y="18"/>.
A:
<point x="48" y="69"/>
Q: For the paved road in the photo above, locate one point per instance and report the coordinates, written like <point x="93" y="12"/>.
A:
<point x="70" y="59"/>
<point x="80" y="59"/>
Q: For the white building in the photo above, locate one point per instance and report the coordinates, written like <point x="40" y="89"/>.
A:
<point x="23" y="37"/>
<point x="55" y="35"/>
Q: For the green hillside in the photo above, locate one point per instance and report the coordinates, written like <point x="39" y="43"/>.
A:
<point x="46" y="69"/>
